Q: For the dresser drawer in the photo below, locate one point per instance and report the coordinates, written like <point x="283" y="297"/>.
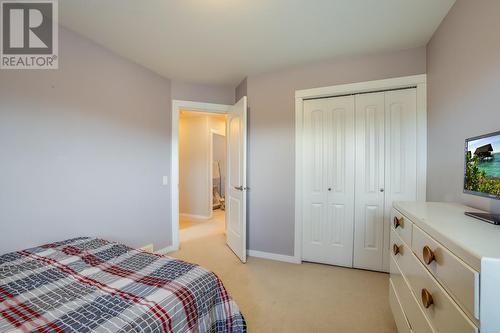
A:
<point x="413" y="312"/>
<point x="461" y="281"/>
<point x="397" y="311"/>
<point x="441" y="310"/>
<point x="401" y="225"/>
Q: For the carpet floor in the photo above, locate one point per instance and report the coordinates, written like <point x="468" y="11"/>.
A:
<point x="281" y="297"/>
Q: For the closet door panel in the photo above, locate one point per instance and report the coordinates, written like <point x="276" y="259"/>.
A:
<point x="314" y="179"/>
<point x="328" y="181"/>
<point x="370" y="159"/>
<point x="400" y="156"/>
<point x="340" y="179"/>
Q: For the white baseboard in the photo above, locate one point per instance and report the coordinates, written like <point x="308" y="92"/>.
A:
<point x="274" y="256"/>
<point x="251" y="253"/>
<point x="193" y="216"/>
<point x="148" y="248"/>
<point x="166" y="250"/>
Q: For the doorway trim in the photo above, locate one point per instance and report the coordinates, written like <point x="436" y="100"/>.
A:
<point x="177" y="106"/>
<point x="418" y="81"/>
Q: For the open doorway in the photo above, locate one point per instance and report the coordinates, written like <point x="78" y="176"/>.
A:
<point x="235" y="185"/>
<point x="202" y="174"/>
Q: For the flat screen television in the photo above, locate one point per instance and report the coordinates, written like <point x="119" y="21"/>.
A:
<point x="482" y="165"/>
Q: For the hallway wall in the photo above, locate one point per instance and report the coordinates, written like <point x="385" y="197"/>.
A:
<point x="195" y="163"/>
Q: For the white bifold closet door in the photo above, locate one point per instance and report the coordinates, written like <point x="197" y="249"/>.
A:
<point x="328" y="181"/>
<point x="370" y="174"/>
<point x="359" y="156"/>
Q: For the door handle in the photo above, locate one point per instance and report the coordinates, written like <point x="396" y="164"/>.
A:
<point x="241" y="188"/>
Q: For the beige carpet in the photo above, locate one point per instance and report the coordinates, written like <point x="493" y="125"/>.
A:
<point x="281" y="297"/>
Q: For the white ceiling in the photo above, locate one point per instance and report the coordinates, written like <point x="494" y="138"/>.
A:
<point x="221" y="41"/>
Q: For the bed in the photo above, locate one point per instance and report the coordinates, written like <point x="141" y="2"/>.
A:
<point x="93" y="285"/>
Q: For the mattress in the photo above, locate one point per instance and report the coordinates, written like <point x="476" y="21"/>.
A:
<point x="93" y="285"/>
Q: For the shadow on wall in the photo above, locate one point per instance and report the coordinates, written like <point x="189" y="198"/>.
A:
<point x="463" y="82"/>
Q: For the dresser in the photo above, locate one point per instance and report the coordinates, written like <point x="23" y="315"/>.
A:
<point x="444" y="270"/>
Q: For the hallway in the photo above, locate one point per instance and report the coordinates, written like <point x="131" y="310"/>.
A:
<point x="192" y="228"/>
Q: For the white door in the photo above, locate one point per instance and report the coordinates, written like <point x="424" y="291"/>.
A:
<point x="369" y="205"/>
<point x="236" y="197"/>
<point x="328" y="180"/>
<point x="400" y="155"/>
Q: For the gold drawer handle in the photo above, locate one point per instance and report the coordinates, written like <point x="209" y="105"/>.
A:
<point x="398" y="222"/>
<point x="427" y="300"/>
<point x="428" y="255"/>
<point x="396" y="249"/>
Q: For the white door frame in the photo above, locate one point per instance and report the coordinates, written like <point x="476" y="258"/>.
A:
<point x="418" y="81"/>
<point x="177" y="106"/>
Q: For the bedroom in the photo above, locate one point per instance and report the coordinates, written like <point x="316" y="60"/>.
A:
<point x="88" y="149"/>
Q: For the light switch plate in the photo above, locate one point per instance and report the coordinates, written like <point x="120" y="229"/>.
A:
<point x="165" y="180"/>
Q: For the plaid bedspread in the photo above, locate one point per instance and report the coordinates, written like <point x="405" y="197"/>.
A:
<point x="88" y="284"/>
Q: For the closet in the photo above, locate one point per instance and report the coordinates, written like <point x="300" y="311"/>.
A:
<point x="359" y="154"/>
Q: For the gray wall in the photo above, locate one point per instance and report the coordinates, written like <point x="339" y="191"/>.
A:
<point x="271" y="134"/>
<point x="241" y="90"/>
<point x="463" y="68"/>
<point x="202" y="93"/>
<point x="83" y="150"/>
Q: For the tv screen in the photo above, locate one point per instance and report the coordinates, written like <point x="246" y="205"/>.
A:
<point x="482" y="165"/>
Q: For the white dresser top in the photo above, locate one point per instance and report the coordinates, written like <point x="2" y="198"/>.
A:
<point x="469" y="238"/>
